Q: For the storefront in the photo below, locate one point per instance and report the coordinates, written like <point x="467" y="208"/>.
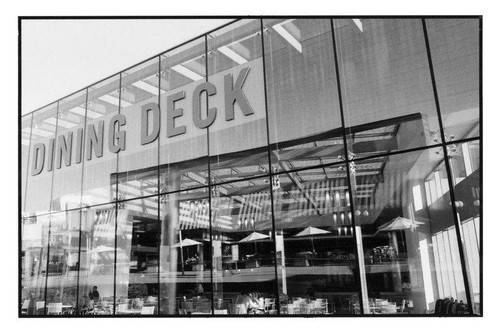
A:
<point x="269" y="167"/>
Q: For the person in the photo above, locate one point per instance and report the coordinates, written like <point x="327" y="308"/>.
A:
<point x="406" y="286"/>
<point x="94" y="294"/>
<point x="198" y="291"/>
<point x="311" y="292"/>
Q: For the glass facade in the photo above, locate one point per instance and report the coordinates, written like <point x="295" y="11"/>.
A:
<point x="324" y="167"/>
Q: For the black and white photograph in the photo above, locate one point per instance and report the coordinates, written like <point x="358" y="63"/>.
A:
<point x="309" y="166"/>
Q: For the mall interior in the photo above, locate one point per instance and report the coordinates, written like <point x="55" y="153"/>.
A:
<point x="273" y="166"/>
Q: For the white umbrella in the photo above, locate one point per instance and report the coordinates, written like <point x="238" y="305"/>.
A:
<point x="311" y="231"/>
<point x="186" y="242"/>
<point x="254" y="236"/>
<point x="399" y="223"/>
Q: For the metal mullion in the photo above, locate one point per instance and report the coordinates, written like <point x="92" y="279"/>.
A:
<point x="209" y="186"/>
<point x="158" y="179"/>
<point x="346" y="153"/>
<point x="50" y="211"/>
<point x="81" y="205"/>
<point x="448" y="171"/>
<point x="116" y="202"/>
<point x="270" y="174"/>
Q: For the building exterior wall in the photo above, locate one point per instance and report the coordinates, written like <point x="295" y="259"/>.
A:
<point x="337" y="145"/>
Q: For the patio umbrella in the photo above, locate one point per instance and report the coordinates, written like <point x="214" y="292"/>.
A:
<point x="254" y="236"/>
<point x="311" y="231"/>
<point x="398" y="223"/>
<point x="186" y="242"/>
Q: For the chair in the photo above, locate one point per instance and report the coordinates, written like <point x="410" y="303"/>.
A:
<point x="39" y="306"/>
<point x="25" y="306"/>
<point x="138" y="303"/>
<point x="147" y="310"/>
<point x="389" y="308"/>
<point x="122" y="307"/>
<point x="320" y="306"/>
<point x="306" y="307"/>
<point x="270" y="305"/>
<point x="54" y="309"/>
<point x="151" y="300"/>
<point x="203" y="307"/>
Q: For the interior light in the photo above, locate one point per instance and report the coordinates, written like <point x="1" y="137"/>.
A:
<point x="115" y="101"/>
<point x="62" y="123"/>
<point x="232" y="55"/>
<point x="358" y="24"/>
<point x="187" y="72"/>
<point x="287" y="36"/>
<point x="146" y="87"/>
<point x="81" y="111"/>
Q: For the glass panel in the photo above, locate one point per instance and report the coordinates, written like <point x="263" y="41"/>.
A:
<point x="466" y="174"/>
<point x="97" y="261"/>
<point x="244" y="272"/>
<point x="304" y="114"/>
<point x="63" y="263"/>
<point x="137" y="257"/>
<point x="183" y="146"/>
<point x="25" y="155"/>
<point x="317" y="267"/>
<point x="34" y="242"/>
<point x="238" y="134"/>
<point x="67" y="186"/>
<point x="100" y="164"/>
<point x="386" y="85"/>
<point x="137" y="159"/>
<point x="41" y="161"/>
<point x="454" y="45"/>
<point x="185" y="253"/>
<point x="409" y="244"/>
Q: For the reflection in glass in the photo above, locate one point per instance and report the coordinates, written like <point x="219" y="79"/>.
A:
<point x="185" y="286"/>
<point x="386" y="85"/>
<point x="100" y="165"/>
<point x="137" y="257"/>
<point x="466" y="172"/>
<point x="67" y="184"/>
<point x="243" y="248"/>
<point x="304" y="114"/>
<point x="454" y="47"/>
<point x="40" y="170"/>
<point x="138" y="175"/>
<point x="33" y="256"/>
<point x="317" y="269"/>
<point x="62" y="281"/>
<point x="183" y="146"/>
<point x="273" y="228"/>
<point x="97" y="259"/>
<point x="407" y="235"/>
<point x="238" y="134"/>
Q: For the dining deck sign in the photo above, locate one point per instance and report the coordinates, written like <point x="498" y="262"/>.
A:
<point x="73" y="146"/>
